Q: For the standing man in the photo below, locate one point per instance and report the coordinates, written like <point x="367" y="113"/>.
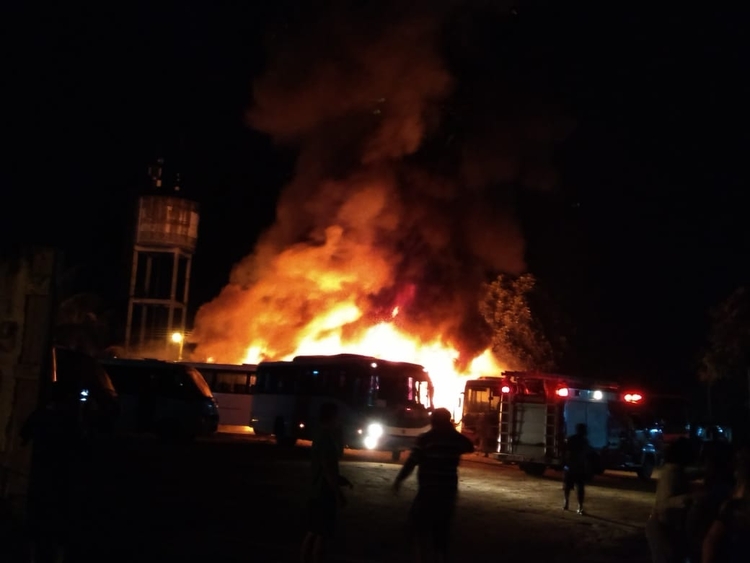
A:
<point x="437" y="454"/>
<point x="326" y="496"/>
<point x="55" y="431"/>
<point x="576" y="468"/>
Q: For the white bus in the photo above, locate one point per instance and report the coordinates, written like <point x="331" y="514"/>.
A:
<point x="383" y="405"/>
<point x="231" y="386"/>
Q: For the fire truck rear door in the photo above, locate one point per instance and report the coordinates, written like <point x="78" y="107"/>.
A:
<point x="593" y="414"/>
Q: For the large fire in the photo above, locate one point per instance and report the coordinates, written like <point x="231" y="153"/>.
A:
<point x="386" y="341"/>
<point x="332" y="332"/>
<point x="400" y="206"/>
<point x="341" y="294"/>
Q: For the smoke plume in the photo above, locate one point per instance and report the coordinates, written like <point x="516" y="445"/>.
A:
<point x="414" y="132"/>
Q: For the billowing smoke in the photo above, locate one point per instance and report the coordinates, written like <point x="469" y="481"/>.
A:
<point x="414" y="137"/>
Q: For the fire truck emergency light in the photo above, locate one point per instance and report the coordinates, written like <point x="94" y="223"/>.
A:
<point x="562" y="392"/>
<point x="505" y="389"/>
<point x="633" y="397"/>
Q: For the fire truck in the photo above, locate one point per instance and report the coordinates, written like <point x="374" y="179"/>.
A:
<point x="526" y="416"/>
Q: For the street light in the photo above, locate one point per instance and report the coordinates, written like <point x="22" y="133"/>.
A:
<point x="178" y="338"/>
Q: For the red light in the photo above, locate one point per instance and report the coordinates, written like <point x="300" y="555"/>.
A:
<point x="562" y="392"/>
<point x="633" y="397"/>
<point x="505" y="389"/>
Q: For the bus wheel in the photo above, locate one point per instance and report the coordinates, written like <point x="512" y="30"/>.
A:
<point x="395" y="455"/>
<point x="535" y="469"/>
<point x="646" y="470"/>
<point x="280" y="435"/>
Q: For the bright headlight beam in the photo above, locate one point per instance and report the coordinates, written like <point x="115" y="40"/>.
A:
<point x="375" y="430"/>
<point x="370" y="442"/>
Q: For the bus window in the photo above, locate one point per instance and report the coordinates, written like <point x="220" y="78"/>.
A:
<point x="261" y="383"/>
<point x="231" y="382"/>
<point x="423" y="393"/>
<point x="307" y="382"/>
<point x="372" y="390"/>
<point x="394" y="391"/>
<point x="343" y="386"/>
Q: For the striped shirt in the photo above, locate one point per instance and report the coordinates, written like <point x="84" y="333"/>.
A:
<point x="436" y="454"/>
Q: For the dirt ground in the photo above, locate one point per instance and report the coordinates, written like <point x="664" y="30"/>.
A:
<point x="240" y="499"/>
<point x="501" y="513"/>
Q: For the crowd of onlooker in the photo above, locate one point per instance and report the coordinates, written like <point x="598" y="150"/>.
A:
<point x="703" y="517"/>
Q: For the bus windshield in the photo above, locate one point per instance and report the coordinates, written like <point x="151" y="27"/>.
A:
<point x="401" y="386"/>
<point x="481" y="396"/>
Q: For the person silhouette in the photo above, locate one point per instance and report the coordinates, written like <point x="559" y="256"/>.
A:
<point x="575" y="471"/>
<point x="436" y="453"/>
<point x="54" y="431"/>
<point x="326" y="497"/>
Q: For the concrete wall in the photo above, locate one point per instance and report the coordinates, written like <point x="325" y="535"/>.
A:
<point x="27" y="282"/>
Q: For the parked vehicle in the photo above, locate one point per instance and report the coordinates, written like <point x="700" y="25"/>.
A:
<point x="89" y="385"/>
<point x="535" y="412"/>
<point x="383" y="405"/>
<point x="164" y="398"/>
<point x="231" y="386"/>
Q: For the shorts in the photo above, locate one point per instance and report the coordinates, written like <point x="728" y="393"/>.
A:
<point x="432" y="514"/>
<point x="321" y="514"/>
<point x="573" y="479"/>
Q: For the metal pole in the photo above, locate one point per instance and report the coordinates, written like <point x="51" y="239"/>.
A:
<point x="188" y="266"/>
<point x="173" y="290"/>
<point x="146" y="293"/>
<point x="131" y="295"/>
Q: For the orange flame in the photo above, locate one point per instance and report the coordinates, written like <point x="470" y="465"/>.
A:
<point x="386" y="341"/>
<point x="317" y="300"/>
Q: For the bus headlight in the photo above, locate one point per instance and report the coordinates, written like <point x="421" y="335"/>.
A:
<point x="371" y="442"/>
<point x="375" y="430"/>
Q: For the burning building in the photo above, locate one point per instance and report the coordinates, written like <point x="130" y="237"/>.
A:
<point x="411" y="148"/>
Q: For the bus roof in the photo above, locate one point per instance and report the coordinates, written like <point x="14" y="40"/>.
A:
<point x="228" y="367"/>
<point x="353" y="358"/>
<point x="140" y="361"/>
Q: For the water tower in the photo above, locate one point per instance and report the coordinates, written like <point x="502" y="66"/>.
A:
<point x="165" y="236"/>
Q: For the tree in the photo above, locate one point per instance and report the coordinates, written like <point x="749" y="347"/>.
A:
<point x="728" y="352"/>
<point x="726" y="362"/>
<point x="513" y="307"/>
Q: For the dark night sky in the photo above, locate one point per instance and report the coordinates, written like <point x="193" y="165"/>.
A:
<point x="647" y="229"/>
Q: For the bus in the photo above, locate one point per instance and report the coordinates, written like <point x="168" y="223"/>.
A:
<point x="231" y="386"/>
<point x="479" y="404"/>
<point x="383" y="405"/>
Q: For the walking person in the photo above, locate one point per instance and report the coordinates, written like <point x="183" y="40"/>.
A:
<point x="728" y="538"/>
<point x="665" y="528"/>
<point x="718" y="486"/>
<point x="326" y="497"/>
<point x="436" y="455"/>
<point x="576" y="469"/>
